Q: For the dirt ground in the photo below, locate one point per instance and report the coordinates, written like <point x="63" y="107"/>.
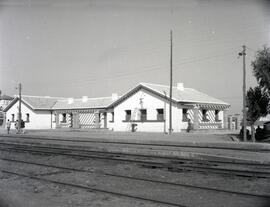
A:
<point x="24" y="192"/>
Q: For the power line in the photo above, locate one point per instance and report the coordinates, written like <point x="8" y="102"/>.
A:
<point x="154" y="67"/>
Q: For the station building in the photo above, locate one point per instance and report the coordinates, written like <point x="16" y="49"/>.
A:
<point x="145" y="106"/>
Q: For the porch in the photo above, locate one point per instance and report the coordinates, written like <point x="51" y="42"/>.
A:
<point x="88" y="118"/>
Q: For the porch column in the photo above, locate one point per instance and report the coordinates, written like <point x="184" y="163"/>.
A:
<point x="105" y="120"/>
<point x="75" y="120"/>
<point x="237" y="121"/>
<point x="225" y="119"/>
<point x="97" y="125"/>
<point x="230" y="122"/>
<point x="196" y="117"/>
<point x="57" y="125"/>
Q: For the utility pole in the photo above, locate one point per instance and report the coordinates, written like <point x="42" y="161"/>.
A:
<point x="170" y="111"/>
<point x="243" y="53"/>
<point x="20" y="107"/>
<point x="164" y="112"/>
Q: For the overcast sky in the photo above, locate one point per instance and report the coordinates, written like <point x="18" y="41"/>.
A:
<point x="84" y="47"/>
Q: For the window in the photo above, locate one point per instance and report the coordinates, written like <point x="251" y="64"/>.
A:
<point x="217" y="115"/>
<point x="143" y="114"/>
<point x="160" y="114"/>
<point x="12" y="117"/>
<point x="128" y="115"/>
<point x="204" y="115"/>
<point x="112" y="117"/>
<point x="64" y="118"/>
<point x="185" y="115"/>
<point x="27" y="117"/>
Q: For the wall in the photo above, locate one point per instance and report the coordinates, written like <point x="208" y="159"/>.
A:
<point x="145" y="100"/>
<point x="110" y="121"/>
<point x="212" y="123"/>
<point x="38" y="119"/>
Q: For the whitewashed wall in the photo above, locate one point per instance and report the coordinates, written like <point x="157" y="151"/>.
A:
<point x="110" y="123"/>
<point x="151" y="103"/>
<point x="37" y="119"/>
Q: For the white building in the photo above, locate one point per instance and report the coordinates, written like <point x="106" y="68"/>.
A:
<point x="146" y="106"/>
<point x="36" y="111"/>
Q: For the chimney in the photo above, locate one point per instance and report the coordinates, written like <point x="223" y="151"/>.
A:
<point x="180" y="86"/>
<point x="84" y="99"/>
<point x="70" y="100"/>
<point x="114" y="96"/>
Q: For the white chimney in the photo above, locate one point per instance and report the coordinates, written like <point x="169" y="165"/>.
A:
<point x="70" y="100"/>
<point x="180" y="86"/>
<point x="114" y="96"/>
<point x="84" y="99"/>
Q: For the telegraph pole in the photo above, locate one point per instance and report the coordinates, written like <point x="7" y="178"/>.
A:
<point x="243" y="53"/>
<point x="20" y="107"/>
<point x="164" y="112"/>
<point x="170" y="111"/>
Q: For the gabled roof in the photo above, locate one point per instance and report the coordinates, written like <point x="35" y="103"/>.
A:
<point x="36" y="102"/>
<point x="188" y="95"/>
<point x="54" y="103"/>
<point x="79" y="104"/>
<point x="40" y="102"/>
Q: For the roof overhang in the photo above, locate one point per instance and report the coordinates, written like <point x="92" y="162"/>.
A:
<point x="212" y="106"/>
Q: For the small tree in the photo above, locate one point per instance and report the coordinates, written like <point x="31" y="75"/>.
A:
<point x="261" y="69"/>
<point x="257" y="103"/>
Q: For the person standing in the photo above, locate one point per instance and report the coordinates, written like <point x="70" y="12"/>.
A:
<point x="17" y="126"/>
<point x="8" y="126"/>
<point x="22" y="126"/>
<point x="189" y="127"/>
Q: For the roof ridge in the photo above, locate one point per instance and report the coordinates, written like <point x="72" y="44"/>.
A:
<point x="42" y="96"/>
<point x="88" y="98"/>
<point x="155" y="84"/>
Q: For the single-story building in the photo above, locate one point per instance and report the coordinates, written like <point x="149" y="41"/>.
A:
<point x="36" y="111"/>
<point x="44" y="112"/>
<point x="145" y="106"/>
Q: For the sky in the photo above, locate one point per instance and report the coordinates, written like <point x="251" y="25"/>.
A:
<point x="69" y="48"/>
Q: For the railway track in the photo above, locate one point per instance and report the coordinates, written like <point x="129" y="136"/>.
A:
<point x="186" y="145"/>
<point x="173" y="164"/>
<point x="85" y="149"/>
<point x="138" y="178"/>
<point x="225" y="167"/>
<point x="83" y="187"/>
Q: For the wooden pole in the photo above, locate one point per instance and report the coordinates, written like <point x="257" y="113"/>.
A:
<point x="171" y="80"/>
